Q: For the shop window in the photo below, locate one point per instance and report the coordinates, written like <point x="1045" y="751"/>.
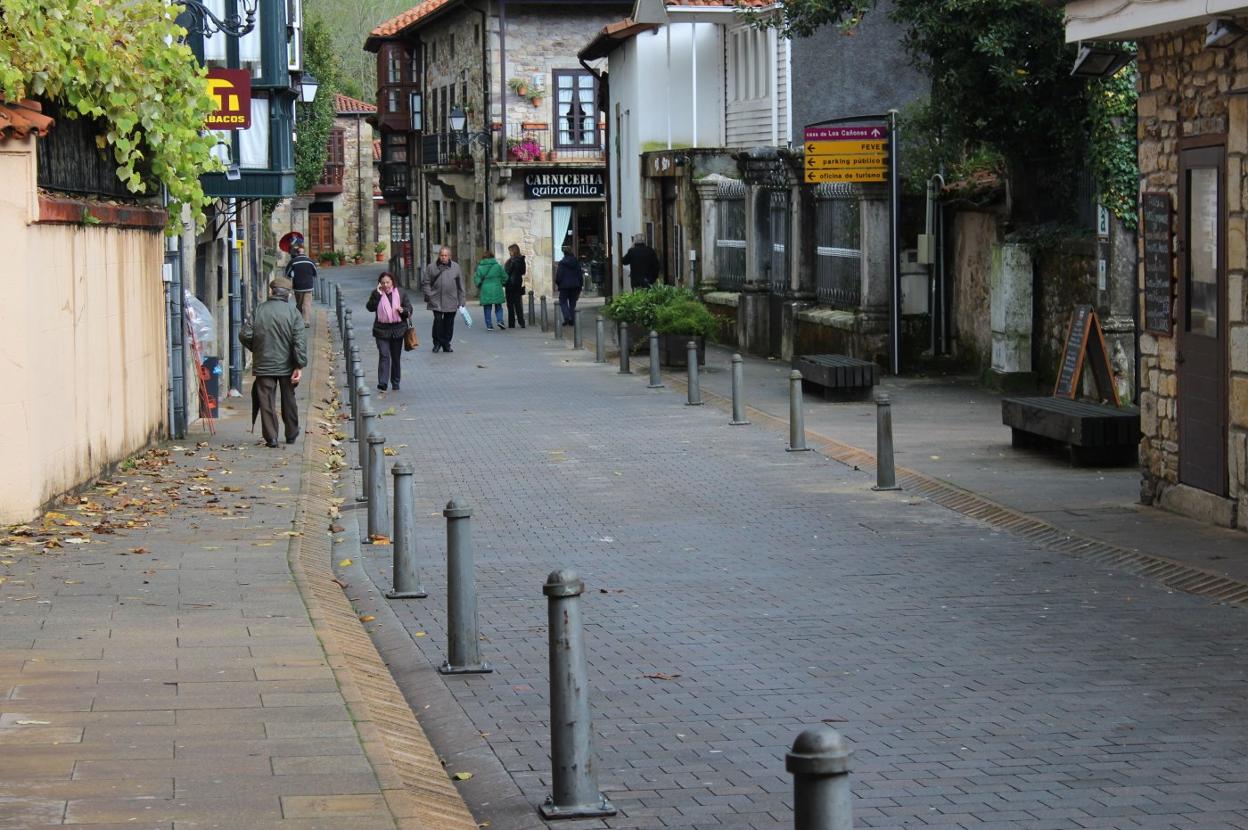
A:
<point x="576" y="109"/>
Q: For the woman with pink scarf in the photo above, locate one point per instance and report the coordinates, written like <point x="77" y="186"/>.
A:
<point x="393" y="310"/>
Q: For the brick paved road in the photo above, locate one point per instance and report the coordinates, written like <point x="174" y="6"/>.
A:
<point x="983" y="682"/>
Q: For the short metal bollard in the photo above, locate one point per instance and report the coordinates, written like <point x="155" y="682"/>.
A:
<point x="574" y="782"/>
<point x="600" y="340"/>
<point x="819" y="762"/>
<point x="622" y="336"/>
<point x="885" y="471"/>
<point x="361" y="403"/>
<point x="797" y="418"/>
<point x="407" y="584"/>
<point x="368" y="418"/>
<point x="545" y="321"/>
<point x="656" y="376"/>
<point x="463" y="643"/>
<point x="532" y="316"/>
<point x="338" y="309"/>
<point x="347" y="325"/>
<point x="375" y="486"/>
<point x="559" y="324"/>
<point x="578" y="342"/>
<point x="695" y="388"/>
<point x="738" y="384"/>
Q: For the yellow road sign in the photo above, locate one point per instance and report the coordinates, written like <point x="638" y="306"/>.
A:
<point x="858" y="175"/>
<point x="842" y="148"/>
<point x="825" y="162"/>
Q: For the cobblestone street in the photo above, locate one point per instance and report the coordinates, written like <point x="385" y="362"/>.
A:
<point x="737" y="594"/>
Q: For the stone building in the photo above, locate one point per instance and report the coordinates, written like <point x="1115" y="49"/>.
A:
<point x="1193" y="302"/>
<point x="529" y="167"/>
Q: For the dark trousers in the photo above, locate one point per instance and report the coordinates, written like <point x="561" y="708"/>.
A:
<point x="515" y="307"/>
<point x="567" y="304"/>
<point x="268" y="386"/>
<point x="443" y="327"/>
<point x="389" y="352"/>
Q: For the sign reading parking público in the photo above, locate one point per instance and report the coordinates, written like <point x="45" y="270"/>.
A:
<point x="846" y="153"/>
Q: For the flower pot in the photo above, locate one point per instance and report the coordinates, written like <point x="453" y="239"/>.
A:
<point x="535" y="101"/>
<point x="674" y="350"/>
<point x="381" y="257"/>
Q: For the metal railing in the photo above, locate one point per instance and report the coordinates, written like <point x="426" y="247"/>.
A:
<point x="730" y="236"/>
<point x="778" y="204"/>
<point x="543" y="145"/>
<point x="838" y="253"/>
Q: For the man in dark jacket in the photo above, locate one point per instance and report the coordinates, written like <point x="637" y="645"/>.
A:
<point x="275" y="337"/>
<point x="642" y="262"/>
<point x="443" y="287"/>
<point x="569" y="279"/>
<point x="301" y="271"/>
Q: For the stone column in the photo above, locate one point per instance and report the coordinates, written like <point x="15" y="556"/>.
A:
<point x="876" y="273"/>
<point x="1010" y="313"/>
<point x="707" y="190"/>
<point x="1116" y="303"/>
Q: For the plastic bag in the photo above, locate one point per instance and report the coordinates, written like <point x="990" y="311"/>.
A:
<point x="467" y="315"/>
<point x="200" y="323"/>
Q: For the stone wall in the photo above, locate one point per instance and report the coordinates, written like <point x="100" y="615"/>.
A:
<point x="353" y="208"/>
<point x="1184" y="90"/>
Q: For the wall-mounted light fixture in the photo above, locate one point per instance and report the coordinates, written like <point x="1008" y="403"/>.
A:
<point x="1095" y="61"/>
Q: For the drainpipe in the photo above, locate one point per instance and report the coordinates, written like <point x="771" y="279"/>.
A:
<point x="502" y="64"/>
<point x="359" y="188"/>
<point x="236" y="300"/>
<point x="487" y="126"/>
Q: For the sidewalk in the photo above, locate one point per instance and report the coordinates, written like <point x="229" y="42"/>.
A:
<point x="738" y="594"/>
<point x="158" y="665"/>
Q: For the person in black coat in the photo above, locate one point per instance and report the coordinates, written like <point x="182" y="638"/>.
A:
<point x="642" y="262"/>
<point x="514" y="287"/>
<point x="393" y="309"/>
<point x="569" y="279"/>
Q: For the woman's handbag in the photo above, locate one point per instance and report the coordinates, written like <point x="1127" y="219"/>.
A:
<point x="410" y="340"/>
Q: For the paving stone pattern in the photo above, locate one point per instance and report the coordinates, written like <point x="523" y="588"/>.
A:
<point x="983" y="682"/>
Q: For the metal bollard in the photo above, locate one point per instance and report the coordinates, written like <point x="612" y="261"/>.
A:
<point x="574" y="782"/>
<point x="578" y="342"/>
<point x="407" y="584"/>
<point x="656" y="377"/>
<point x="361" y="403"/>
<point x="463" y="643"/>
<point x="885" y="472"/>
<point x="545" y="321"/>
<point x="695" y="389"/>
<point x="738" y="382"/>
<point x="347" y="324"/>
<point x="338" y="308"/>
<point x="375" y="486"/>
<point x="559" y="324"/>
<point x="600" y="340"/>
<point x="819" y="761"/>
<point x="622" y="336"/>
<point x="368" y="418"/>
<point x="797" y="418"/>
<point x="532" y="316"/>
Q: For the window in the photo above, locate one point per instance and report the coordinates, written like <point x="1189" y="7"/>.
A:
<point x="393" y="147"/>
<point x="392" y="101"/>
<point x="336" y="153"/>
<point x="576" y="108"/>
<point x="394" y="65"/>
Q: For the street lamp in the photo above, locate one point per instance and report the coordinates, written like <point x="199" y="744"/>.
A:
<point x="459" y="120"/>
<point x="459" y="128"/>
<point x="207" y="23"/>
<point x="1099" y="61"/>
<point x="308" y="85"/>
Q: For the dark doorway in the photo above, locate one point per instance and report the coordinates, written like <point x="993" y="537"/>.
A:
<point x="670" y="252"/>
<point x="1201" y="355"/>
<point x="320" y="229"/>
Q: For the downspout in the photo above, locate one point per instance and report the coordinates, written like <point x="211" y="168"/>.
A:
<point x="693" y="63"/>
<point x="774" y="65"/>
<point x="359" y="188"/>
<point x="487" y="126"/>
<point x="502" y="65"/>
<point x="604" y="106"/>
<point x="667" y="30"/>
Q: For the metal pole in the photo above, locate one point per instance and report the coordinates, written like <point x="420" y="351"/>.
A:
<point x="340" y="310"/>
<point x="369" y="418"/>
<point x="894" y="252"/>
<point x="352" y="362"/>
<point x="407" y="584"/>
<point x="622" y="336"/>
<point x="347" y="325"/>
<point x="738" y="384"/>
<point x="545" y="321"/>
<point x="797" y="418"/>
<point x="463" y="647"/>
<point x="532" y="316"/>
<point x="559" y="324"/>
<point x="578" y="342"/>
<point x="819" y="762"/>
<point x="236" y="299"/>
<point x="574" y="782"/>
<point x="361" y="404"/>
<point x="600" y="340"/>
<point x="656" y="377"/>
<point x="885" y="473"/>
<point x="695" y="390"/>
<point x="375" y="486"/>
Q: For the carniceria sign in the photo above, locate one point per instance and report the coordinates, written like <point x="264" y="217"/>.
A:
<point x="554" y="185"/>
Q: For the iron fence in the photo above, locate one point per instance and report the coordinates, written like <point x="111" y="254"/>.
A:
<point x="779" y="214"/>
<point x="838" y="260"/>
<point x="730" y="236"/>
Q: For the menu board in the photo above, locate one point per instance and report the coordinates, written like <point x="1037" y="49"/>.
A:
<point x="1073" y="354"/>
<point x="1158" y="263"/>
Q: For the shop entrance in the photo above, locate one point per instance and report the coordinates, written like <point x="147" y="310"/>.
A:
<point x="581" y="225"/>
<point x="320" y="229"/>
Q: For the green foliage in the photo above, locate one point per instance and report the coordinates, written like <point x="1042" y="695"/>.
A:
<point x="1113" y="144"/>
<point x="124" y="63"/>
<point x="349" y="26"/>
<point x="639" y="308"/>
<point x="686" y="316"/>
<point x="316" y="119"/>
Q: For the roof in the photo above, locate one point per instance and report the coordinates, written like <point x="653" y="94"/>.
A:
<point x="376" y="149"/>
<point x="403" y="20"/>
<point x="346" y="105"/>
<point x="611" y="36"/>
<point x="22" y="118"/>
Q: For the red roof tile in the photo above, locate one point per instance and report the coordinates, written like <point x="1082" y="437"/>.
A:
<point x="377" y="149"/>
<point x="401" y="21"/>
<point x="346" y="105"/>
<point x="23" y="118"/>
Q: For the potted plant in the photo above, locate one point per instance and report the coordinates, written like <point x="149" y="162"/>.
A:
<point x="357" y="257"/>
<point x="524" y="148"/>
<point x="519" y="86"/>
<point x="639" y="310"/>
<point x="326" y="258"/>
<point x="380" y="250"/>
<point x="339" y="257"/>
<point x="535" y="100"/>
<point x="680" y="321"/>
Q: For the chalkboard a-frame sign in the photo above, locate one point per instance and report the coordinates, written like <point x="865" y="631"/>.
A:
<point x="1158" y="264"/>
<point x="1085" y="341"/>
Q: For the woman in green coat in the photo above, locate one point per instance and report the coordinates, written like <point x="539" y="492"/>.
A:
<point x="489" y="279"/>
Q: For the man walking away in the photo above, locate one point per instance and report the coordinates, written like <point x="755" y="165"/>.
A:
<point x="275" y="336"/>
<point x="443" y="287"/>
<point x="301" y="271"/>
<point x="642" y="262"/>
<point x="569" y="279"/>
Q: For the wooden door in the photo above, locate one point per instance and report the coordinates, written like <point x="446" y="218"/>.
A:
<point x="1201" y="347"/>
<point x="320" y="233"/>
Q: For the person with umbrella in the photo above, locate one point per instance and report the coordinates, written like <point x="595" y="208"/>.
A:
<point x="275" y="336"/>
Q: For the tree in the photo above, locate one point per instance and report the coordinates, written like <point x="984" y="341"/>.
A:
<point x="350" y="25"/>
<point x="316" y="119"/>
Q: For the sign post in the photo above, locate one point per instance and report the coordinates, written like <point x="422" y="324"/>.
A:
<point x="863" y="150"/>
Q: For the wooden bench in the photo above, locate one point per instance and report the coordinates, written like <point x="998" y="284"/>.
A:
<point x="1094" y="433"/>
<point x="836" y="377"/>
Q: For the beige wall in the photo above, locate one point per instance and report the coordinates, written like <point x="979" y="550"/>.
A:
<point x="82" y="334"/>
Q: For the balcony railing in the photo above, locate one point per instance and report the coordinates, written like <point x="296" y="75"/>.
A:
<point x="523" y="144"/>
<point x="394" y="181"/>
<point x="331" y="179"/>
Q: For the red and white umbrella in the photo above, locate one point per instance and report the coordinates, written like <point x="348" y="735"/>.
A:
<point x="289" y="240"/>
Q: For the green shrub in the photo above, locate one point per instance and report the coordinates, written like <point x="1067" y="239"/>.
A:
<point x="639" y="308"/>
<point x="686" y="316"/>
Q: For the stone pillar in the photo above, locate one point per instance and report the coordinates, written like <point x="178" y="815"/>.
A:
<point x="1116" y="304"/>
<point x="876" y="274"/>
<point x="1010" y="313"/>
<point x="707" y="190"/>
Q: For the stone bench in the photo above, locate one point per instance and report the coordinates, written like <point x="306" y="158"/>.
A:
<point x="837" y="377"/>
<point x="1093" y="433"/>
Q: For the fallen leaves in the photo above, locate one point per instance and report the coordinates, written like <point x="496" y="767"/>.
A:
<point x="137" y="550"/>
<point x="367" y="618"/>
<point x="346" y="563"/>
<point x="378" y="539"/>
<point x="336" y="528"/>
<point x="659" y="675"/>
<point x="462" y="776"/>
<point x="389" y="451"/>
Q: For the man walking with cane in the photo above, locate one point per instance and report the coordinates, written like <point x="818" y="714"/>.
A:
<point x="275" y="336"/>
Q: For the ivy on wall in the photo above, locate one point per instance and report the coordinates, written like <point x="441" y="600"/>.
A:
<point x="316" y="119"/>
<point x="1113" y="146"/>
<point x="124" y="63"/>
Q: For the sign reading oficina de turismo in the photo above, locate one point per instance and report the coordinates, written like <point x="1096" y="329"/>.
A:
<point x="855" y="153"/>
<point x="231" y="89"/>
<point x="555" y="185"/>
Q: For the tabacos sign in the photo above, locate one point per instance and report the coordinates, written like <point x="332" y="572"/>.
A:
<point x="231" y="91"/>
<point x="553" y="185"/>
